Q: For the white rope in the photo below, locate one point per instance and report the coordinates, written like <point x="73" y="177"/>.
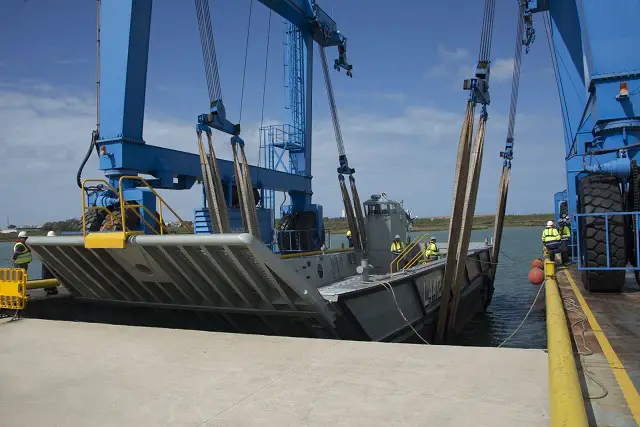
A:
<point x="390" y="289"/>
<point x="525" y="317"/>
<point x="572" y="306"/>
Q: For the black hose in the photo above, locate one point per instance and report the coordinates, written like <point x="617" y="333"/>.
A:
<point x="94" y="139"/>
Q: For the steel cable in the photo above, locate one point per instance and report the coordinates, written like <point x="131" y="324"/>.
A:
<point x="246" y="54"/>
<point x="332" y="101"/>
<point x="208" y="50"/>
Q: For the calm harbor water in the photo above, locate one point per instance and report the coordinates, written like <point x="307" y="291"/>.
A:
<point x="511" y="301"/>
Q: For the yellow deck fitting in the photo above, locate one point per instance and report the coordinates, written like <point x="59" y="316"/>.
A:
<point x="106" y="240"/>
<point x="13" y="289"/>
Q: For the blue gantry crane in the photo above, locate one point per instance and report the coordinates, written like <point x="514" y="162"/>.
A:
<point x="123" y="151"/>
<point x="592" y="46"/>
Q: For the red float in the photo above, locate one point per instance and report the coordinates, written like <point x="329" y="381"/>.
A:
<point x="536" y="276"/>
<point x="536" y="263"/>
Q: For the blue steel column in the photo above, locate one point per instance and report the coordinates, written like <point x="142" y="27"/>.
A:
<point x="124" y="27"/>
<point x="308" y="44"/>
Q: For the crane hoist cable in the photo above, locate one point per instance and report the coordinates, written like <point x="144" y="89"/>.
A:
<point x="246" y="54"/>
<point x="208" y="50"/>
<point x="467" y="175"/>
<point x="505" y="177"/>
<point x="353" y="211"/>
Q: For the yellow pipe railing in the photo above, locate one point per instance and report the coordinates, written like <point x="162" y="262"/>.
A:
<point x="85" y="206"/>
<point x="566" y="402"/>
<point x="159" y="197"/>
<point x="408" y="248"/>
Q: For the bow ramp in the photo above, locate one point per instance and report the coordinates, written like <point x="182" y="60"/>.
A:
<point x="232" y="274"/>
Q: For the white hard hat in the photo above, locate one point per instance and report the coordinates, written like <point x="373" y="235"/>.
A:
<point x="549" y="223"/>
<point x="22" y="234"/>
<point x="397" y="236"/>
<point x="51" y="234"/>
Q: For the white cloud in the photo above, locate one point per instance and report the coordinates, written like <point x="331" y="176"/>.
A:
<point x="502" y="69"/>
<point x="447" y="61"/>
<point x="410" y="155"/>
<point x="458" y="54"/>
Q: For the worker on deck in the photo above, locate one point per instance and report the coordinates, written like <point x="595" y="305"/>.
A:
<point x="46" y="273"/>
<point x="397" y="246"/>
<point x="431" y="252"/>
<point x="21" y="253"/>
<point x="550" y="241"/>
<point x="349" y="238"/>
<point x="565" y="239"/>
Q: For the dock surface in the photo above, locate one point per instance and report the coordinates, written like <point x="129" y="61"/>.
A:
<point x="606" y="332"/>
<point x="81" y="374"/>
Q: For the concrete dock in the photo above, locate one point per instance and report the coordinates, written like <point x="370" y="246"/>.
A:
<point x="80" y="374"/>
<point x="606" y="339"/>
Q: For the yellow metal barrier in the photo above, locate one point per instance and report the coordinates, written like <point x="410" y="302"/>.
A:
<point x="565" y="396"/>
<point x="13" y="288"/>
<point x="407" y="250"/>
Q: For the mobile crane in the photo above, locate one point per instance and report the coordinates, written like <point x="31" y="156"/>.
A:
<point x="598" y="81"/>
<point x="118" y="138"/>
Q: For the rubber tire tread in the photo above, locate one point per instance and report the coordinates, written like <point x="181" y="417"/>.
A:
<point x="599" y="194"/>
<point x="93" y="219"/>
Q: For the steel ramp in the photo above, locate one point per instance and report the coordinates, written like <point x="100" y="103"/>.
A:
<point x="233" y="274"/>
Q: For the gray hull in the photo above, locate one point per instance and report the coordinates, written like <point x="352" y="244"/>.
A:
<point x="234" y="283"/>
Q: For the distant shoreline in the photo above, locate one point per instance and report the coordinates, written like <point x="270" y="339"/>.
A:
<point x="339" y="225"/>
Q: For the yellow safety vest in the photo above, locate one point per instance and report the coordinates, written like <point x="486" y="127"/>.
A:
<point x="397" y="246"/>
<point x="550" y="235"/>
<point x="24" y="252"/>
<point x="432" y="249"/>
<point x="565" y="232"/>
<point x="349" y="233"/>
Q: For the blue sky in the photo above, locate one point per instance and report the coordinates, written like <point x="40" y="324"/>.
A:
<point x="401" y="113"/>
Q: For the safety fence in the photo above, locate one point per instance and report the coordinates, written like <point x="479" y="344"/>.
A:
<point x="614" y="228"/>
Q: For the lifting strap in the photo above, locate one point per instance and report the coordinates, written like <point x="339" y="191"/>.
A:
<point x="245" y="190"/>
<point x="467" y="217"/>
<point x="505" y="177"/>
<point x="465" y="186"/>
<point x="213" y="189"/>
<point x="353" y="211"/>
<point x="459" y="186"/>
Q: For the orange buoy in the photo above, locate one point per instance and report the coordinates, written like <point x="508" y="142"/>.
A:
<point x="536" y="276"/>
<point x="536" y="263"/>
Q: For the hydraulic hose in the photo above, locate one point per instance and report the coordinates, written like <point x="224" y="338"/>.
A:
<point x="94" y="139"/>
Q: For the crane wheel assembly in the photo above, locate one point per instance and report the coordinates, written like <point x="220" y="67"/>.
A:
<point x="599" y="194"/>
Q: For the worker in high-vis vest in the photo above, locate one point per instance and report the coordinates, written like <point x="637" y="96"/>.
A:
<point x="565" y="239"/>
<point x="550" y="241"/>
<point x="397" y="246"/>
<point x="431" y="252"/>
<point x="349" y="238"/>
<point x="21" y="252"/>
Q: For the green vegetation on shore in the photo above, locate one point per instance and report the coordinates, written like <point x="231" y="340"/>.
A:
<point x="334" y="225"/>
<point x="442" y="224"/>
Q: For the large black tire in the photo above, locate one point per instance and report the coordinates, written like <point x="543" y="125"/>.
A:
<point x="93" y="219"/>
<point x="115" y="224"/>
<point x="599" y="194"/>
